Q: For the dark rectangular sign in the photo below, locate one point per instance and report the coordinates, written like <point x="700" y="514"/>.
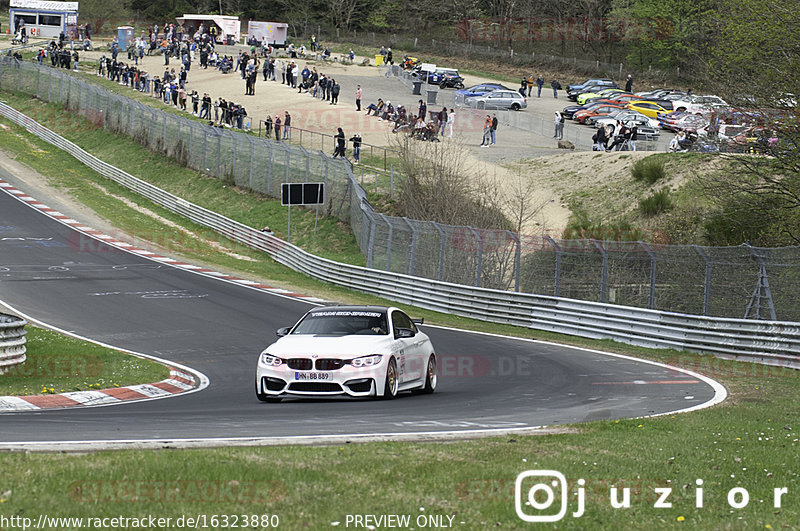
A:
<point x="302" y="193"/>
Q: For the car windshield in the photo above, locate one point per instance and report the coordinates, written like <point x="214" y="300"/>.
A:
<point x="343" y="323"/>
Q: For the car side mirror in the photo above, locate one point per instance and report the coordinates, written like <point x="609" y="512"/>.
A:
<point x="405" y="333"/>
<point x="283" y="331"/>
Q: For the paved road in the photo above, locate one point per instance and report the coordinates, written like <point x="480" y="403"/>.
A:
<point x="218" y="328"/>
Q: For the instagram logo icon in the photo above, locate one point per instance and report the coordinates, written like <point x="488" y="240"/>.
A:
<point x="538" y="493"/>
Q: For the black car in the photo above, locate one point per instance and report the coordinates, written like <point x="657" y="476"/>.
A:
<point x="573" y="94"/>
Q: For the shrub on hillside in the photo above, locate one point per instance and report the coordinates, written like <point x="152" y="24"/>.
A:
<point x="649" y="169"/>
<point x="656" y="203"/>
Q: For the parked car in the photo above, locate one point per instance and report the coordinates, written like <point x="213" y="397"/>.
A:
<point x="347" y="351"/>
<point x="648" y="108"/>
<point x="647" y="127"/>
<point x="687" y="122"/>
<point x="596" y="110"/>
<point x="574" y="93"/>
<point x="698" y="103"/>
<point x="499" y="99"/>
<point x="596" y="82"/>
<point x="480" y="90"/>
<point x="602" y="93"/>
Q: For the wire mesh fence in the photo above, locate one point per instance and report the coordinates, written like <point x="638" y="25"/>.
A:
<point x="738" y="282"/>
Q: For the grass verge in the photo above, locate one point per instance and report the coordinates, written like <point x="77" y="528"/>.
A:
<point x="57" y="363"/>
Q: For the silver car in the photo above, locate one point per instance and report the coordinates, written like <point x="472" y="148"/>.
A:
<point x="499" y="99"/>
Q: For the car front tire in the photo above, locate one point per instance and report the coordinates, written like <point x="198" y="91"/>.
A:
<point x="392" y="382"/>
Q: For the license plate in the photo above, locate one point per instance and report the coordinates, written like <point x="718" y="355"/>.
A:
<point x="312" y="376"/>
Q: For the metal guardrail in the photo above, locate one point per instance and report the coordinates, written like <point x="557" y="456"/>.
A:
<point x="766" y="342"/>
<point x="12" y="341"/>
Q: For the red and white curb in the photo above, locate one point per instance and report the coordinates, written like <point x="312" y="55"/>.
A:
<point x="178" y="382"/>
<point x="114" y="242"/>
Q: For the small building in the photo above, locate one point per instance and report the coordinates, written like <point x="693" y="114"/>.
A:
<point x="43" y="18"/>
<point x="229" y="28"/>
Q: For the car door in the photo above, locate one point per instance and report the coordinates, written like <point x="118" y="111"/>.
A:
<point x="411" y="365"/>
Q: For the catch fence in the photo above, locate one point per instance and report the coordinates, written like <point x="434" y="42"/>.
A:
<point x="736" y="282"/>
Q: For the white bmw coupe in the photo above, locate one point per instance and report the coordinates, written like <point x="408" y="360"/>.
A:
<point x="347" y="350"/>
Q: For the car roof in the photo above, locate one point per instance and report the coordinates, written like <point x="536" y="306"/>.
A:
<point x="382" y="309"/>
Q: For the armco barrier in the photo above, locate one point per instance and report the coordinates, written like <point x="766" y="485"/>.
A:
<point x="767" y="342"/>
<point x="12" y="341"/>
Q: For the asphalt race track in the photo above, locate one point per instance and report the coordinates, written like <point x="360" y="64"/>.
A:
<point x="218" y="328"/>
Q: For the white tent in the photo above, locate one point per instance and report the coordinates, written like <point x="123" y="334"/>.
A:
<point x="230" y="26"/>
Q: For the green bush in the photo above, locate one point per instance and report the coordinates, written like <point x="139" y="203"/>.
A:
<point x="649" y="169"/>
<point x="657" y="203"/>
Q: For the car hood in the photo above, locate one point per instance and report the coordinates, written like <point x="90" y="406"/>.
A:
<point x="339" y="346"/>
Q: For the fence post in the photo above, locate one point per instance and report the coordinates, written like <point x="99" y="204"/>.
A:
<point x="412" y="247"/>
<point x="252" y="155"/>
<point x="235" y="145"/>
<point x="603" y="272"/>
<point x="651" y="302"/>
<point x="219" y="155"/>
<point x="442" y="242"/>
<point x="557" y="277"/>
<point x="269" y="167"/>
<point x="479" y="264"/>
<point x="517" y="258"/>
<point x="371" y="239"/>
<point x="388" y="242"/>
<point x="707" y="280"/>
<point x="391" y="181"/>
<point x="205" y="144"/>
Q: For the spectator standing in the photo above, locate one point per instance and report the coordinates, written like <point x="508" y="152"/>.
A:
<point x="195" y="102"/>
<point x="358" y="100"/>
<point x="277" y="127"/>
<point x="340" y="143"/>
<point x="451" y="119"/>
<point x="556" y="87"/>
<point x="442" y="120"/>
<point x="423" y="109"/>
<point x="523" y="87"/>
<point x="356" y="140"/>
<point x="629" y="84"/>
<point x="389" y="57"/>
<point x="539" y="85"/>
<point x="494" y="127"/>
<point x="487" y="131"/>
<point x="287" y="122"/>
<point x="530" y="84"/>
<point x="268" y="126"/>
<point x="205" y="108"/>
<point x="559" y="126"/>
<point x="335" y="93"/>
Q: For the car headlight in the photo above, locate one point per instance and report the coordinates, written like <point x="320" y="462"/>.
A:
<point x="272" y="361"/>
<point x="367" y="361"/>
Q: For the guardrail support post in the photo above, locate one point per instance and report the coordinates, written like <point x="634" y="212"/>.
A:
<point x="252" y="156"/>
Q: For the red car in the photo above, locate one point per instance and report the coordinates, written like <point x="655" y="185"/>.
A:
<point x="598" y="110"/>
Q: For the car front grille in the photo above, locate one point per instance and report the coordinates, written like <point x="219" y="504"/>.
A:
<point x="315" y="387"/>
<point x="299" y="364"/>
<point x="328" y="364"/>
